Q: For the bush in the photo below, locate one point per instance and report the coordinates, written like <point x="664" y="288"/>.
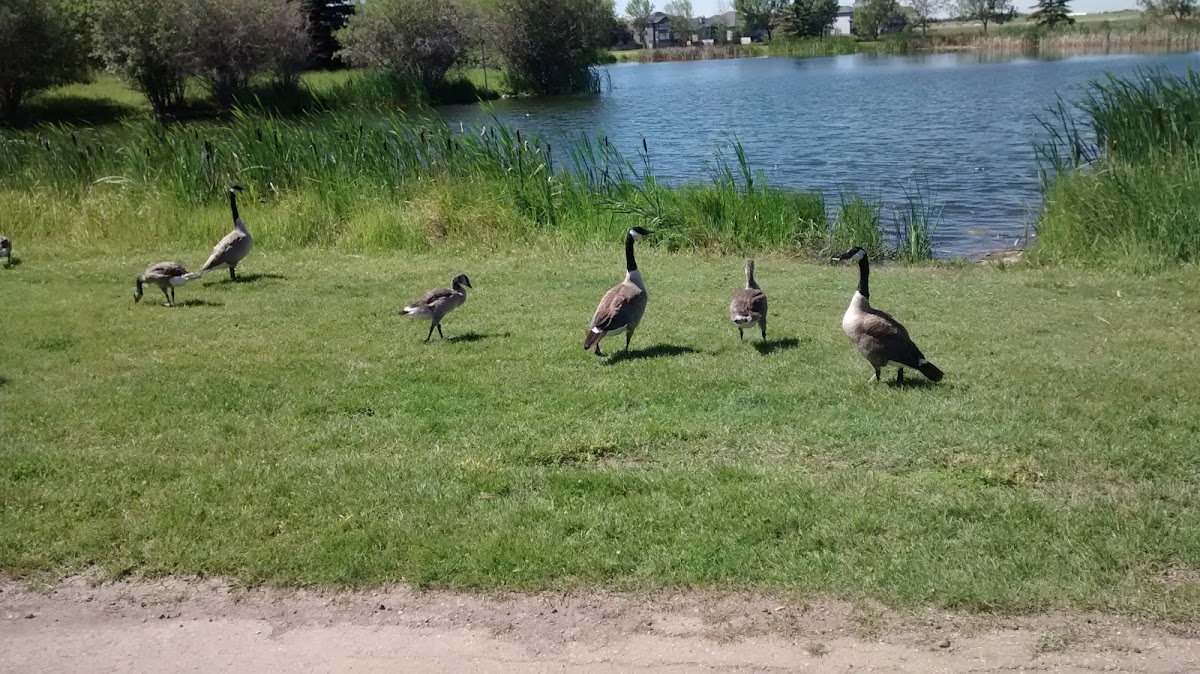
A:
<point x="39" y="49"/>
<point x="415" y="40"/>
<point x="233" y="40"/>
<point x="146" y="42"/>
<point x="549" y="46"/>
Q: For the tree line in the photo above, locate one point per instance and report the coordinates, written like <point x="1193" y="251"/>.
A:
<point x="159" y="46"/>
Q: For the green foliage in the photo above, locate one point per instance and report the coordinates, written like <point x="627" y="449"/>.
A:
<point x="325" y="19"/>
<point x="39" y="49"/>
<point x="923" y="12"/>
<point x="871" y="17"/>
<point x="417" y="40"/>
<point x="1128" y="196"/>
<point x="144" y="41"/>
<point x="548" y="46"/>
<point x="808" y="18"/>
<point x="1177" y="9"/>
<point x="758" y="15"/>
<point x="987" y="11"/>
<point x="1053" y="13"/>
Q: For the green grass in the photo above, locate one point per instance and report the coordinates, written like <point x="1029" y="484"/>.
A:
<point x="294" y="430"/>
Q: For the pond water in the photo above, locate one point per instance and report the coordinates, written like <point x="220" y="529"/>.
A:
<point x="961" y="125"/>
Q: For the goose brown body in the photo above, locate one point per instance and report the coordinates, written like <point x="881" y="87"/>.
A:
<point x="749" y="305"/>
<point x="435" y="304"/>
<point x="234" y="246"/>
<point x="622" y="307"/>
<point x="167" y="276"/>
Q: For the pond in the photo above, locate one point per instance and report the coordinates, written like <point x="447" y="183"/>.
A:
<point x="960" y="126"/>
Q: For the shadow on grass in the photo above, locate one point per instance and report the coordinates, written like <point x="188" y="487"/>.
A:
<point x="770" y="346"/>
<point x="911" y="381"/>
<point x="251" y="278"/>
<point x="468" y="337"/>
<point x="656" y="351"/>
<point x="83" y="110"/>
<point x="12" y="262"/>
<point x="3" y="382"/>
<point x="199" y="303"/>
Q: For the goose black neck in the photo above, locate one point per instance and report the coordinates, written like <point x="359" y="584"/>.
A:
<point x="630" y="262"/>
<point x="864" y="272"/>
<point x="233" y="204"/>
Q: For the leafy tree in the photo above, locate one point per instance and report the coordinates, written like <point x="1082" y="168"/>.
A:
<point x="923" y="12"/>
<point x="549" y="46"/>
<point x="1053" y="13"/>
<point x="325" y="19"/>
<point x="681" y="14"/>
<point x="417" y="40"/>
<point x="808" y="18"/>
<point x="233" y="40"/>
<point x="40" y="50"/>
<point x="987" y="11"/>
<point x="1180" y="9"/>
<point x="146" y="42"/>
<point x="758" y="15"/>
<point x="872" y="16"/>
<point x="639" y="12"/>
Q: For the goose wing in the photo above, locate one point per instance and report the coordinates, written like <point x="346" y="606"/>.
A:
<point x="880" y="333"/>
<point x="750" y="303"/>
<point x="164" y="270"/>
<point x="229" y="250"/>
<point x="618" y="308"/>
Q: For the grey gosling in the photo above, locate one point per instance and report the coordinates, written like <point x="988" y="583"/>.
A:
<point x="622" y="307"/>
<point x="749" y="305"/>
<point x="167" y="276"/>
<point x="879" y="337"/>
<point x="435" y="304"/>
<point x="232" y="249"/>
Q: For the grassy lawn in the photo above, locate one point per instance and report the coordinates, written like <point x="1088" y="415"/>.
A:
<point x="293" y="429"/>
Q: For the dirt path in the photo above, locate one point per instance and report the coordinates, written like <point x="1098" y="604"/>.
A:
<point x="206" y="625"/>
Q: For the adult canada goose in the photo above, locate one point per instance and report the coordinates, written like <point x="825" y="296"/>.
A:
<point x="879" y="337"/>
<point x="435" y="304"/>
<point x="6" y="250"/>
<point x="749" y="305"/>
<point x="622" y="307"/>
<point x="232" y="249"/>
<point x="167" y="276"/>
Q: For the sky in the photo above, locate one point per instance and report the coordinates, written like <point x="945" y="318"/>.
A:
<point x="710" y="7"/>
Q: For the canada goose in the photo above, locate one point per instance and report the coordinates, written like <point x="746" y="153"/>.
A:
<point x="435" y="304"/>
<point x="749" y="305"/>
<point x="167" y="276"/>
<point x="879" y="337"/>
<point x="232" y="249"/>
<point x="622" y="307"/>
<point x="6" y="250"/>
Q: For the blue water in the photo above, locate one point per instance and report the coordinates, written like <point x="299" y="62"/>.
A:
<point x="959" y="125"/>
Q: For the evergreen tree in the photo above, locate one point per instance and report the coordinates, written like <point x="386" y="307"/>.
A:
<point x="325" y="18"/>
<point x="1052" y="13"/>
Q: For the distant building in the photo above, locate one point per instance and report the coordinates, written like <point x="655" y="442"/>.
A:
<point x="842" y="21"/>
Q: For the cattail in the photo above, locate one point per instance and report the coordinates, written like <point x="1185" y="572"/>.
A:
<point x="645" y="148"/>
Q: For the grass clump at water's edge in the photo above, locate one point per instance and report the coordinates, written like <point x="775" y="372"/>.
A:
<point x="292" y="429"/>
<point x="1122" y="185"/>
<point x="382" y="183"/>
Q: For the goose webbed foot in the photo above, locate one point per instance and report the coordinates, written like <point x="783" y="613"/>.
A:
<point x="429" y="336"/>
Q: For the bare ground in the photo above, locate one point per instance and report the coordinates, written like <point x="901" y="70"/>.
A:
<point x="210" y="625"/>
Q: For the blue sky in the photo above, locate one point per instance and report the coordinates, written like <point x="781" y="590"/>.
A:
<point x="710" y="7"/>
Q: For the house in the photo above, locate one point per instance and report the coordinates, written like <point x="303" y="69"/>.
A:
<point x="658" y="32"/>
<point x="717" y="29"/>
<point x="842" y="21"/>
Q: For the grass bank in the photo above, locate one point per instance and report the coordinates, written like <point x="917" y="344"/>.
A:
<point x="395" y="182"/>
<point x="292" y="429"/>
<point x="1122" y="170"/>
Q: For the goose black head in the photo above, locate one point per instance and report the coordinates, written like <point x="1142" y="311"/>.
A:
<point x="639" y="232"/>
<point x="462" y="279"/>
<point x="853" y="255"/>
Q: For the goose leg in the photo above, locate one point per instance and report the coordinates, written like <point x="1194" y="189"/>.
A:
<point x="628" y="336"/>
<point x="874" y="379"/>
<point x="232" y="273"/>
<point x="172" y="295"/>
<point x="430" y="335"/>
<point x="166" y="295"/>
<point x="439" y="327"/>
<point x="900" y="376"/>
<point x="741" y="334"/>
<point x="763" y="325"/>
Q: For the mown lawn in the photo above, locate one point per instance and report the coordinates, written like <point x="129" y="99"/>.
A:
<point x="293" y="429"/>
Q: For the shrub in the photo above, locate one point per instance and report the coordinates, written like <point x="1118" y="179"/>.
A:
<point x="39" y="48"/>
<point x="146" y="42"/>
<point x="233" y="40"/>
<point x="416" y="40"/>
<point x="549" y="46"/>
